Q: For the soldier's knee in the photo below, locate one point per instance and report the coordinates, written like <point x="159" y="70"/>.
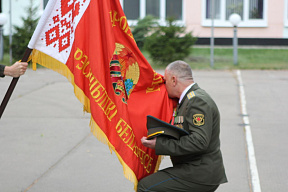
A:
<point x="141" y="187"/>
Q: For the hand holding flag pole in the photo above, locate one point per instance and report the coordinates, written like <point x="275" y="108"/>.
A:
<point x="27" y="53"/>
<point x="13" y="84"/>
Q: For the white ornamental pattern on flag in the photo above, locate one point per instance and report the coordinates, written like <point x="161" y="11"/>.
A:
<point x="54" y="34"/>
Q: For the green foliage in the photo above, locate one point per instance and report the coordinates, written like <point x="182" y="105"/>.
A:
<point x="6" y="43"/>
<point x="142" y="29"/>
<point x="169" y="43"/>
<point x="23" y="34"/>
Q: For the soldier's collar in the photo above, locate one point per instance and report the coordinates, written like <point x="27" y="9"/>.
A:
<point x="184" y="92"/>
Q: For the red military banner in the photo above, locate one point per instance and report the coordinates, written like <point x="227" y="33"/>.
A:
<point x="90" y="42"/>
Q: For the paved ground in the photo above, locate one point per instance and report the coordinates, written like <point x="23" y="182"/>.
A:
<point x="46" y="145"/>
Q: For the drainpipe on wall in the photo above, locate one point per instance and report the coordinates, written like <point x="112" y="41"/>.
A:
<point x="212" y="35"/>
<point x="10" y="33"/>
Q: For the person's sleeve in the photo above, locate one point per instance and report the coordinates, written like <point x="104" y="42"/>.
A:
<point x="200" y="124"/>
<point x="2" y="67"/>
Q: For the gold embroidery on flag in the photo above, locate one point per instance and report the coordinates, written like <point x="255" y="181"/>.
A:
<point x="157" y="80"/>
<point x="126" y="134"/>
<point x="123" y="24"/>
<point x="97" y="90"/>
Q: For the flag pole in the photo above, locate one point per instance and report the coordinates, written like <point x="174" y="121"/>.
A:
<point x="13" y="84"/>
<point x="42" y="22"/>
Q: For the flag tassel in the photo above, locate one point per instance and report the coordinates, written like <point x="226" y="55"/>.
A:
<point x="100" y="135"/>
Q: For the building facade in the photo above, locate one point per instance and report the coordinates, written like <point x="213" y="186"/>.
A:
<point x="262" y="20"/>
<point x="18" y="10"/>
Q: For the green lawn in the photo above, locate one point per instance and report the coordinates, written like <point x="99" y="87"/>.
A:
<point x="253" y="58"/>
<point x="247" y="58"/>
<point x="6" y="59"/>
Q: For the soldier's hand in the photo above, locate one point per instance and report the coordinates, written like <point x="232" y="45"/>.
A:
<point x="149" y="143"/>
<point x="17" y="69"/>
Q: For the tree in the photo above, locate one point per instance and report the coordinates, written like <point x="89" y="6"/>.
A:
<point x="169" y="43"/>
<point x="142" y="29"/>
<point x="23" y="34"/>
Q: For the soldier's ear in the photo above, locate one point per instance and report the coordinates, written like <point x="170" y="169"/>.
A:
<point x="174" y="80"/>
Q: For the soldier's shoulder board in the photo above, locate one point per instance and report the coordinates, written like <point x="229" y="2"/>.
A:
<point x="191" y="94"/>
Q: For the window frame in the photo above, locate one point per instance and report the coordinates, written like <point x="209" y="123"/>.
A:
<point x="286" y="14"/>
<point x="162" y="19"/>
<point x="246" y="22"/>
<point x="45" y="2"/>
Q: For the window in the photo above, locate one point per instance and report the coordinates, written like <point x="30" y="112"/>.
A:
<point x="153" y="8"/>
<point x="256" y="9"/>
<point x="234" y="6"/>
<point x="132" y="9"/>
<point x="217" y="5"/>
<point x="45" y="3"/>
<point x="174" y="9"/>
<point x="161" y="9"/>
<point x="252" y="12"/>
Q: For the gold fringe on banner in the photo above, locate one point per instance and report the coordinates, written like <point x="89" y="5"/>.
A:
<point x="51" y="63"/>
<point x="100" y="135"/>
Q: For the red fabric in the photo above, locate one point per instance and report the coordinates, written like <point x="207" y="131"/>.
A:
<point x="121" y="114"/>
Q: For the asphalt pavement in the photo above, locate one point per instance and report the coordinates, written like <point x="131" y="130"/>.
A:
<point x="46" y="144"/>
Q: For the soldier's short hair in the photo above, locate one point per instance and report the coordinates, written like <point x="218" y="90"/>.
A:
<point x="180" y="69"/>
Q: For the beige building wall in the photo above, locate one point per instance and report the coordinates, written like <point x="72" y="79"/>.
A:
<point x="194" y="15"/>
<point x="276" y="22"/>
